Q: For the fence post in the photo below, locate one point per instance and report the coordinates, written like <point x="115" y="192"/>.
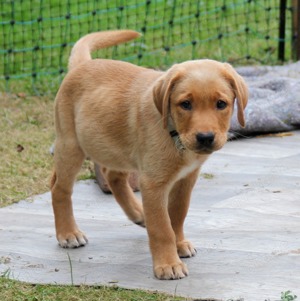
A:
<point x="281" y="43"/>
<point x="296" y="30"/>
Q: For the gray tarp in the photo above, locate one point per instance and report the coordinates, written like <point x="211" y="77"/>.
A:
<point x="274" y="102"/>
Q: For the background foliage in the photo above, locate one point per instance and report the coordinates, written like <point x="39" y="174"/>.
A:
<point x="36" y="35"/>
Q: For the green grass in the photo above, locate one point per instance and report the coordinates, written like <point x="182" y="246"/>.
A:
<point x="27" y="132"/>
<point x="11" y="290"/>
<point x="43" y="33"/>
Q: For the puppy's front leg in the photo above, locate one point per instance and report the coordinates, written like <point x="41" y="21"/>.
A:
<point x="179" y="201"/>
<point x="162" y="240"/>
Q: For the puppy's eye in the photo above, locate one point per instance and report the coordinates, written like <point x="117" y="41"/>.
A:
<point x="186" y="105"/>
<point x="221" y="104"/>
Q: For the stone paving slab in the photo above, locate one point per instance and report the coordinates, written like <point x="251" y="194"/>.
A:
<point x="244" y="220"/>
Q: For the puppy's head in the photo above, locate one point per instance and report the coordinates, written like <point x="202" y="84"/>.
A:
<point x="197" y="98"/>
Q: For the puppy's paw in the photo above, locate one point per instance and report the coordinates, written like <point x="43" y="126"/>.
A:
<point x="174" y="271"/>
<point x="140" y="223"/>
<point x="186" y="249"/>
<point x="137" y="216"/>
<point x="72" y="239"/>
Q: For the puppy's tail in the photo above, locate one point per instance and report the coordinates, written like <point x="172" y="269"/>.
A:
<point x="81" y="51"/>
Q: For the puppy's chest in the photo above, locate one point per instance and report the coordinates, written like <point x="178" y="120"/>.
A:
<point x="187" y="169"/>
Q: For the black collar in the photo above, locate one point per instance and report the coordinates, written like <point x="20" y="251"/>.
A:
<point x="176" y="138"/>
<point x="173" y="133"/>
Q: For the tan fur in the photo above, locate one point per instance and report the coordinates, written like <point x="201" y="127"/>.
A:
<point x="120" y="115"/>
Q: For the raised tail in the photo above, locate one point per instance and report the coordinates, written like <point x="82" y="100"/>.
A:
<point x="81" y="51"/>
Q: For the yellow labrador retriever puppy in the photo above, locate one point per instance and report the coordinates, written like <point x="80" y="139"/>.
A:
<point x="162" y="124"/>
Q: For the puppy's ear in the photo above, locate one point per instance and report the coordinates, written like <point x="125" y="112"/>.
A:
<point x="162" y="92"/>
<point x="240" y="89"/>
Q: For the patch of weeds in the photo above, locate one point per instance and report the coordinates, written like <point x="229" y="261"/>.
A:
<point x="207" y="176"/>
<point x="15" y="290"/>
<point x="6" y="274"/>
<point x="89" y="172"/>
<point x="86" y="176"/>
<point x="287" y="296"/>
<point x="33" y="120"/>
<point x="5" y="259"/>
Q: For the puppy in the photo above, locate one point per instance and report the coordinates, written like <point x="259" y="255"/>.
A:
<point x="162" y="124"/>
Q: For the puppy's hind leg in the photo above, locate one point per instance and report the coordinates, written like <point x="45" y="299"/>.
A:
<point x="68" y="159"/>
<point x="119" y="185"/>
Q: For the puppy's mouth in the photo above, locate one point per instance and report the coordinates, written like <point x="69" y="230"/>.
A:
<point x="204" y="144"/>
<point x="204" y="151"/>
<point x="199" y="147"/>
<point x="199" y="150"/>
<point x="208" y="149"/>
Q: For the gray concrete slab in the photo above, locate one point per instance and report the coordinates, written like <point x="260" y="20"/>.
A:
<point x="244" y="220"/>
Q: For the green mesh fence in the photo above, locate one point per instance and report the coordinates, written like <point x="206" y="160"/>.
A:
<point x="36" y="35"/>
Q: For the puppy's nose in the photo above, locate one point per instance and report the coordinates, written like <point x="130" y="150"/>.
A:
<point x="205" y="139"/>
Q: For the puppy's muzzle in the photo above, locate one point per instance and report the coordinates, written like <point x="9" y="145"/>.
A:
<point x="205" y="141"/>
